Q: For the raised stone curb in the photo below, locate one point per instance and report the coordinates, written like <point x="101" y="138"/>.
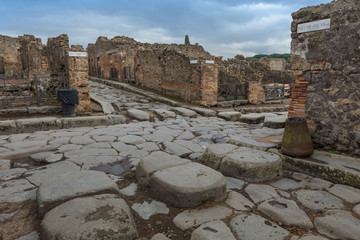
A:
<point x="188" y="185"/>
<point x="204" y="112"/>
<point x="184" y="112"/>
<point x="230" y="116"/>
<point x="71" y="185"/>
<point x="247" y="142"/>
<point x="90" y="218"/>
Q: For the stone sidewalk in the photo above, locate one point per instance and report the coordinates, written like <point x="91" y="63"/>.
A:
<point x="81" y="182"/>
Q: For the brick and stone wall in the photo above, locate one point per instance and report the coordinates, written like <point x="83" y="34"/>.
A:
<point x="10" y="57"/>
<point x="326" y="68"/>
<point x="57" y="48"/>
<point x="78" y="78"/>
<point x="173" y="74"/>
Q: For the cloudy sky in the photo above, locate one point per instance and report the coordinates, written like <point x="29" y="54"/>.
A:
<point x="223" y="27"/>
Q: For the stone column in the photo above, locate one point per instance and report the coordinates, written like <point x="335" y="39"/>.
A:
<point x="208" y="83"/>
<point x="256" y="93"/>
<point x="78" y="78"/>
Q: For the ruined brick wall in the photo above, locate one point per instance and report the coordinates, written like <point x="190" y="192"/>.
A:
<point x="326" y="67"/>
<point x="263" y="71"/>
<point x="10" y="57"/>
<point x="56" y="51"/>
<point x="33" y="54"/>
<point x="106" y="55"/>
<point x="172" y="73"/>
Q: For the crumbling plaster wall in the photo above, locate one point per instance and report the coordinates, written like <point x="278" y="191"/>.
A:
<point x="326" y="66"/>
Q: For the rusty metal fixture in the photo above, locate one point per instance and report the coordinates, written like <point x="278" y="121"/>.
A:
<point x="296" y="141"/>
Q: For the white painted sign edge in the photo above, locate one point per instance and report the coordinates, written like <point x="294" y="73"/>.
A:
<point x="313" y="26"/>
<point x="77" y="54"/>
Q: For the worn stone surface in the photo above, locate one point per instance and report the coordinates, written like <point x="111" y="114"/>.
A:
<point x="285" y="211"/>
<point x="159" y="236"/>
<point x="234" y="183"/>
<point x="188" y="219"/>
<point x="260" y="192"/>
<point x="11" y="173"/>
<point x="70" y="185"/>
<point x="90" y="218"/>
<point x="154" y="162"/>
<point x="243" y="226"/>
<point x="248" y="142"/>
<point x="149" y="208"/>
<point x="214" y="230"/>
<point x="15" y="186"/>
<point x="138" y="114"/>
<point x="188" y="185"/>
<point x="205" y="112"/>
<point x="251" y="165"/>
<point x="318" y="201"/>
<point x="30" y="236"/>
<point x="347" y="193"/>
<point x="275" y="122"/>
<point x="287" y="184"/>
<point x="129" y="190"/>
<point x="131" y="139"/>
<point x="44" y="174"/>
<point x="356" y="209"/>
<point x="176" y="149"/>
<point x="230" y="116"/>
<point x="5" y="164"/>
<point x="319" y="184"/>
<point x="163" y="113"/>
<point x="48" y="157"/>
<point x="184" y="111"/>
<point x="252" y="118"/>
<point x="338" y="225"/>
<point x="239" y="202"/>
<point x="214" y="153"/>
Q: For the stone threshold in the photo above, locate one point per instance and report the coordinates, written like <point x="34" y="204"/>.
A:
<point x="29" y="125"/>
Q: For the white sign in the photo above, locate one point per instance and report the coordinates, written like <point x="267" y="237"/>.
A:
<point x="193" y="61"/>
<point x="210" y="61"/>
<point x="314" y="26"/>
<point x="77" y="54"/>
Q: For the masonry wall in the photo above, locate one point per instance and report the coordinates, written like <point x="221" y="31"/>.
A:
<point x="173" y="74"/>
<point x="10" y="58"/>
<point x="56" y="53"/>
<point x="326" y="68"/>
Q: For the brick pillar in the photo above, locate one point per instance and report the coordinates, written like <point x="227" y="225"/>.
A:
<point x="78" y="78"/>
<point x="208" y="83"/>
<point x="256" y="93"/>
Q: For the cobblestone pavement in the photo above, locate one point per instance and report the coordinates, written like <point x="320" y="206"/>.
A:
<point x="49" y="189"/>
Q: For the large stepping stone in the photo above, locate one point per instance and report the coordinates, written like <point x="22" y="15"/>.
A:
<point x="230" y="116"/>
<point x="338" y="225"/>
<point x="205" y="112"/>
<point x="71" y="185"/>
<point x="285" y="211"/>
<point x="184" y="112"/>
<point x="213" y="231"/>
<point x="261" y="192"/>
<point x="188" y="185"/>
<point x="252" y="118"/>
<point x="251" y="226"/>
<point x="241" y="162"/>
<point x="275" y="122"/>
<point x="163" y="113"/>
<point x="98" y="217"/>
<point x="251" y="165"/>
<point x="154" y="162"/>
<point x="248" y="142"/>
<point x="138" y="115"/>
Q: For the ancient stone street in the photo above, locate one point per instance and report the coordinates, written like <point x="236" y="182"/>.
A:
<point x="174" y="174"/>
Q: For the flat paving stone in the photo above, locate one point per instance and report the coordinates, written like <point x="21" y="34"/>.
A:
<point x="214" y="154"/>
<point x="356" y="209"/>
<point x="248" y="142"/>
<point x="90" y="218"/>
<point x="230" y="116"/>
<point x="204" y="111"/>
<point x="87" y="162"/>
<point x="184" y="111"/>
<point x="319" y="184"/>
<point x="176" y="149"/>
<point x="285" y="211"/>
<point x="338" y="225"/>
<point x="5" y="164"/>
<point x="138" y="114"/>
<point x="15" y="186"/>
<point x="345" y="192"/>
<point x="81" y="140"/>
<point x="101" y="145"/>
<point x="129" y="190"/>
<point x="163" y="113"/>
<point x="239" y="202"/>
<point x="187" y="135"/>
<point x="24" y="144"/>
<point x="192" y="146"/>
<point x="193" y="218"/>
<point x="21" y="194"/>
<point x="149" y="208"/>
<point x="287" y="184"/>
<point x="159" y="236"/>
<point x="71" y="185"/>
<point x="91" y="152"/>
<point x="148" y="146"/>
<point x="261" y="192"/>
<point x="318" y="201"/>
<point x="251" y="165"/>
<point x="214" y="230"/>
<point x="12" y="173"/>
<point x="44" y="174"/>
<point x="104" y="138"/>
<point x="69" y="147"/>
<point x="154" y="162"/>
<point x="47" y="157"/>
<point x="188" y="185"/>
<point x="234" y="183"/>
<point x="131" y="139"/>
<point x="122" y="147"/>
<point x="252" y="118"/>
<point x="250" y="227"/>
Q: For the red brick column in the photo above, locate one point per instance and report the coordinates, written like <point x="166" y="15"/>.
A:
<point x="208" y="84"/>
<point x="256" y="93"/>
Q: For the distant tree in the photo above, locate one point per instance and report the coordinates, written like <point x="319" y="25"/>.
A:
<point x="285" y="56"/>
<point x="239" y="57"/>
<point x="187" y="40"/>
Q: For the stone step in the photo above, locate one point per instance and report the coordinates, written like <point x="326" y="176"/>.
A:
<point x="241" y="162"/>
<point x="97" y="217"/>
<point x="138" y="115"/>
<point x="184" y="112"/>
<point x="180" y="182"/>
